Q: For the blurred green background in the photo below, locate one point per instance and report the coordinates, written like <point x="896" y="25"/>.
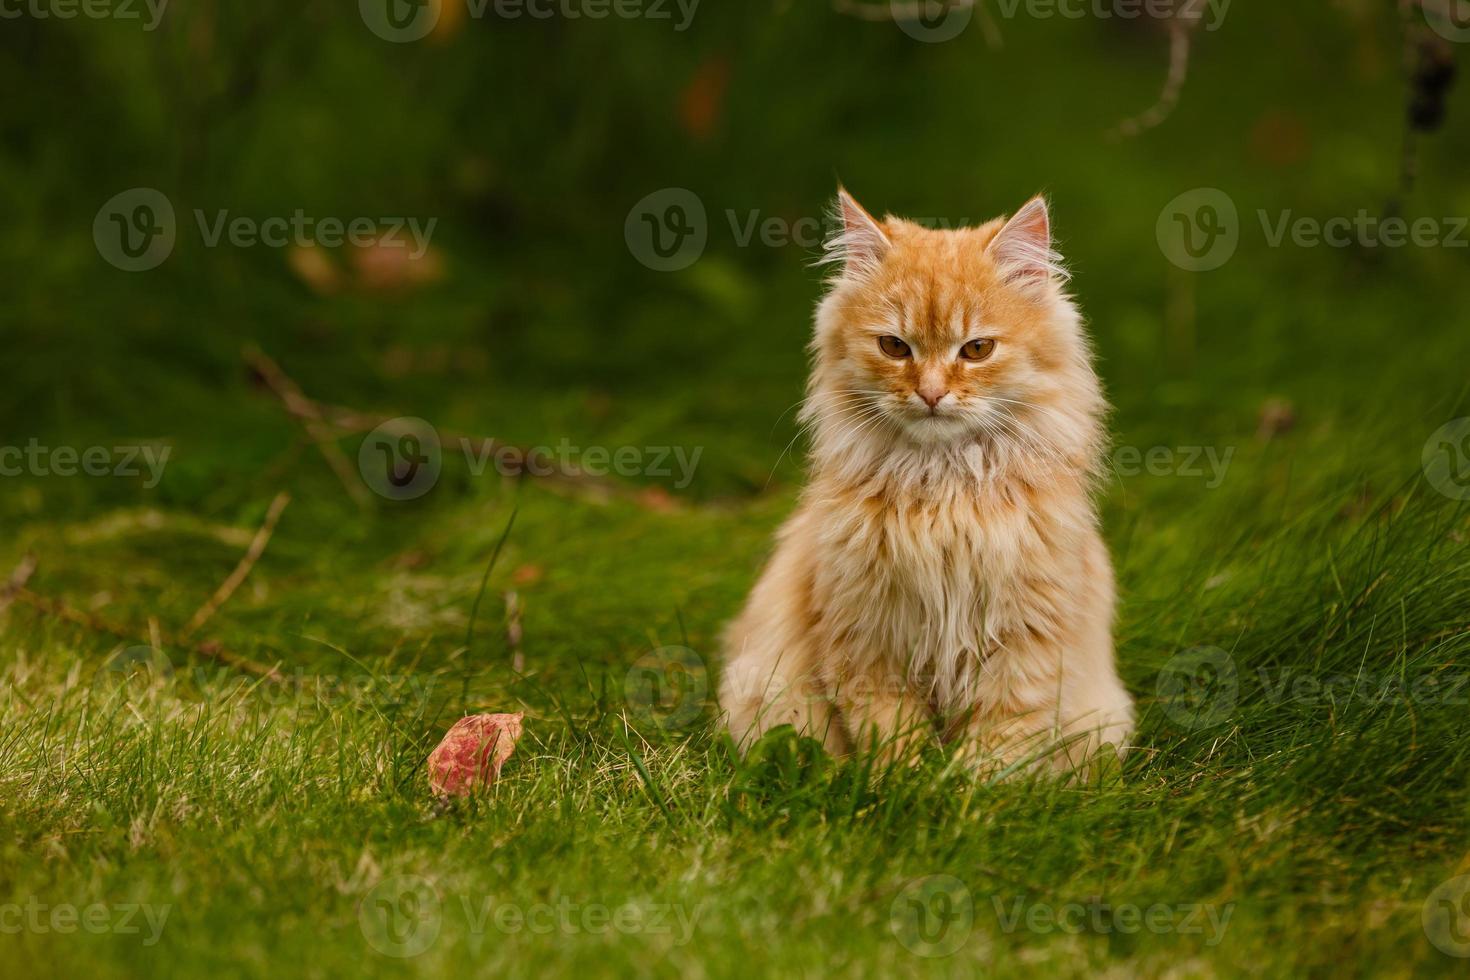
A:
<point x="529" y="141"/>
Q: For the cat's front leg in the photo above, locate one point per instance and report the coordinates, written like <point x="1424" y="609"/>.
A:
<point x="1062" y="736"/>
<point x="882" y="713"/>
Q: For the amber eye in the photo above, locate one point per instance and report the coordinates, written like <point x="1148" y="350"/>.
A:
<point x="894" y="347"/>
<point x="977" y="350"/>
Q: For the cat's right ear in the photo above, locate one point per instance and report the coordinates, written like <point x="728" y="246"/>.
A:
<point x="860" y="242"/>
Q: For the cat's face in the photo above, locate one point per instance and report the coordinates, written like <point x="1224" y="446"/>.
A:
<point x="943" y="335"/>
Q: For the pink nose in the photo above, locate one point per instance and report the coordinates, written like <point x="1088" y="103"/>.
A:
<point x="932" y="396"/>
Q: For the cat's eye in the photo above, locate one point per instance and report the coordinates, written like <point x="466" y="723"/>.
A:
<point x="894" y="347"/>
<point x="977" y="350"/>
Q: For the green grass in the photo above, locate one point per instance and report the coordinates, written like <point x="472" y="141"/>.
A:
<point x="1311" y="806"/>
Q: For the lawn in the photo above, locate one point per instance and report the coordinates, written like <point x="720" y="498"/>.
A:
<point x="191" y="787"/>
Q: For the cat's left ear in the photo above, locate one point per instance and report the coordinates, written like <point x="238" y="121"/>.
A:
<point x="1023" y="250"/>
<point x="861" y="243"/>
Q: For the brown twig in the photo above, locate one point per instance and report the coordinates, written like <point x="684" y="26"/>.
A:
<point x="513" y="632"/>
<point x="18" y="580"/>
<point x="96" y="624"/>
<point x="1181" y="39"/>
<point x="242" y="570"/>
<point x="330" y="422"/>
<point x="312" y="419"/>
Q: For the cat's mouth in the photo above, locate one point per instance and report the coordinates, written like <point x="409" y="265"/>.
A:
<point x="941" y="423"/>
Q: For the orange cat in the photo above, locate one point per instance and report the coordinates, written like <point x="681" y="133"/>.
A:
<point x="943" y="577"/>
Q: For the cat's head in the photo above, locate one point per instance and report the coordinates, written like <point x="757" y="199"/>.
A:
<point x="943" y="337"/>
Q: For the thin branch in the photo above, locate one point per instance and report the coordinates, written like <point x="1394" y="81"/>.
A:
<point x="212" y="651"/>
<point x="242" y="570"/>
<point x="312" y="419"/>
<point x="514" y="633"/>
<point x="1181" y="39"/>
<point x="18" y="580"/>
<point x="333" y="421"/>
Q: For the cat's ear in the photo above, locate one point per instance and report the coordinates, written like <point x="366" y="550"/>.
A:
<point x="1023" y="250"/>
<point x="860" y="242"/>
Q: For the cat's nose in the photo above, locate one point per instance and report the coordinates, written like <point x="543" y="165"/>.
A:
<point x="932" y="394"/>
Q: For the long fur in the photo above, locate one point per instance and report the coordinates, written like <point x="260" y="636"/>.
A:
<point x="943" y="577"/>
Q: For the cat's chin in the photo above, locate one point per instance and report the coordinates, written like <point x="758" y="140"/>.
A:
<point x="937" y="430"/>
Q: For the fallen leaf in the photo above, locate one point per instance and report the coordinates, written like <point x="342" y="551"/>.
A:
<point x="472" y="752"/>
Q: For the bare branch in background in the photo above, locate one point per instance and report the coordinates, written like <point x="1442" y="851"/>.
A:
<point x="242" y="570"/>
<point x="96" y="624"/>
<point x="310" y="415"/>
<point x="18" y="580"/>
<point x="1182" y="25"/>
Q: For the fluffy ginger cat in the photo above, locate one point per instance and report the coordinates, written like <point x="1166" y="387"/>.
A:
<point x="943" y="579"/>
